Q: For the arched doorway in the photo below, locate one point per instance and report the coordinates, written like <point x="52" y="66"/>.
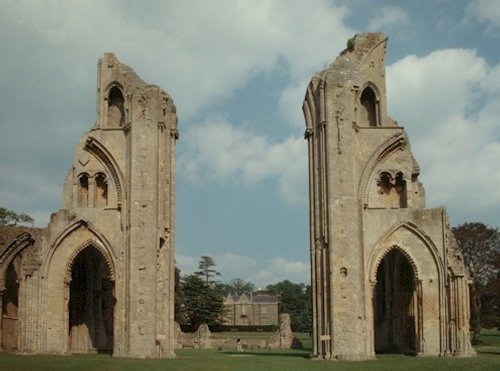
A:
<point x="10" y="305"/>
<point x="91" y="304"/>
<point x="395" y="305"/>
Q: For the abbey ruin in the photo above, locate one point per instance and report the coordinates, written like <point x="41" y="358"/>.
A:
<point x="387" y="274"/>
<point x="100" y="277"/>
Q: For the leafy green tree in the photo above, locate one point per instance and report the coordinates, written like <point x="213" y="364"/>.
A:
<point x="203" y="302"/>
<point x="237" y="286"/>
<point x="206" y="269"/>
<point x="295" y="299"/>
<point x="9" y="217"/>
<point x="480" y="245"/>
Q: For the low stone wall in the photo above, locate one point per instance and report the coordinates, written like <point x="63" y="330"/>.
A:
<point x="283" y="338"/>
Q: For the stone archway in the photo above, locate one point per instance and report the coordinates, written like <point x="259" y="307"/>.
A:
<point x="10" y="305"/>
<point x="91" y="304"/>
<point x="396" y="305"/>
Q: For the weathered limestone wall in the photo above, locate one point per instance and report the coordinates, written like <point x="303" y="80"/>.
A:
<point x="283" y="338"/>
<point x="101" y="275"/>
<point x="366" y="202"/>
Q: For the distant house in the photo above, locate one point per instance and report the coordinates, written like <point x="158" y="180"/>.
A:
<point x="257" y="309"/>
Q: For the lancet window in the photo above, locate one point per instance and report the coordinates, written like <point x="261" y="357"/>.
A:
<point x="369" y="111"/>
<point x="101" y="190"/>
<point x="116" y="109"/>
<point x="83" y="190"/>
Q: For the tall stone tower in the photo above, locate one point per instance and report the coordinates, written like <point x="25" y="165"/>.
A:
<point x="387" y="274"/>
<point x="100" y="277"/>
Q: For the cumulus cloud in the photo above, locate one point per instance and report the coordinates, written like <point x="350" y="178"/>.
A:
<point x="218" y="152"/>
<point x="279" y="269"/>
<point x="485" y="11"/>
<point x="232" y="265"/>
<point x="388" y="15"/>
<point x="200" y="52"/>
<point x="450" y="108"/>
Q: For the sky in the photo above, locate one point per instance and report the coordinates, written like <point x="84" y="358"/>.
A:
<point x="237" y="72"/>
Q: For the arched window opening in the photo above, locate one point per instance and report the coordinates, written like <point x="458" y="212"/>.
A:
<point x="101" y="191"/>
<point x="83" y="190"/>
<point x="116" y="112"/>
<point x="392" y="190"/>
<point x="10" y="305"/>
<point x="91" y="304"/>
<point x="395" y="305"/>
<point x="369" y="108"/>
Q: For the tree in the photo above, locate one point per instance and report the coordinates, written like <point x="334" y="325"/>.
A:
<point x="179" y="306"/>
<point x="205" y="266"/>
<point x="492" y="302"/>
<point x="295" y="299"/>
<point x="237" y="286"/>
<point x="203" y="302"/>
<point x="480" y="245"/>
<point x="8" y="217"/>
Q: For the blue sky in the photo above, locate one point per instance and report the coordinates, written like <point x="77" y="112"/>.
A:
<point x="237" y="71"/>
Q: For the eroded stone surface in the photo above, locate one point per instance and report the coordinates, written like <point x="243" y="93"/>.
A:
<point x="100" y="277"/>
<point x="387" y="275"/>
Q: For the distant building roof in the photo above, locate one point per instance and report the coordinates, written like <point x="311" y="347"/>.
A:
<point x="255" y="298"/>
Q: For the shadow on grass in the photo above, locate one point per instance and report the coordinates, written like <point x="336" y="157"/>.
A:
<point x="489" y="342"/>
<point x="249" y="353"/>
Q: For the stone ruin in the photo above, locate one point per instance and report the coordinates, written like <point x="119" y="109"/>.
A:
<point x="100" y="277"/>
<point x="283" y="338"/>
<point x="387" y="274"/>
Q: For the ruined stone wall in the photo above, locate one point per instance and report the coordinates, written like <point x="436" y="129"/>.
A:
<point x="283" y="338"/>
<point x="105" y="275"/>
<point x="366" y="202"/>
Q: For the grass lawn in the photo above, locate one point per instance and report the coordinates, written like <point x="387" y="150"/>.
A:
<point x="258" y="359"/>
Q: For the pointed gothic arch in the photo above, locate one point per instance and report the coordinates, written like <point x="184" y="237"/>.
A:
<point x="100" y="249"/>
<point x="99" y="241"/>
<point x="115" y="109"/>
<point x="10" y="276"/>
<point x="430" y="262"/>
<point x="396" y="143"/>
<point x="382" y="248"/>
<point x="369" y="106"/>
<point x="21" y="242"/>
<point x="91" y="300"/>
<point x="96" y="148"/>
<point x="396" y="300"/>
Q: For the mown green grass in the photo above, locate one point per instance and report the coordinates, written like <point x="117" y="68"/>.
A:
<point x="489" y="343"/>
<point x="257" y="359"/>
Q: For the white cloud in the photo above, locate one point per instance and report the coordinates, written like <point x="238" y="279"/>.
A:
<point x="199" y="51"/>
<point x="199" y="56"/>
<point x="232" y="265"/>
<point x="388" y="15"/>
<point x="486" y="11"/>
<point x="218" y="152"/>
<point x="450" y="108"/>
<point x="290" y="103"/>
<point x="279" y="269"/>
